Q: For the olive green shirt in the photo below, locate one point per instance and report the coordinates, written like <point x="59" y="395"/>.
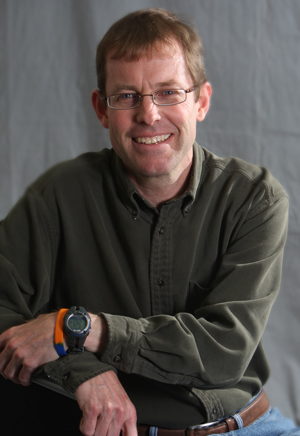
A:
<point x="186" y="290"/>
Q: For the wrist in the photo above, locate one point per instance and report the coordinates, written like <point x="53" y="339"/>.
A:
<point x="72" y="327"/>
<point x="77" y="326"/>
<point x="97" y="339"/>
<point x="59" y="339"/>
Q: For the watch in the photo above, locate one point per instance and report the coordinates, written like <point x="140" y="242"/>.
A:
<point x="77" y="326"/>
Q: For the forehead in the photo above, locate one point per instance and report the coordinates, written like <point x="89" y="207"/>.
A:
<point x="158" y="66"/>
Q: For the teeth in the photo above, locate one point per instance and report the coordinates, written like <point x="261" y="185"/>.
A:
<point x="152" y="139"/>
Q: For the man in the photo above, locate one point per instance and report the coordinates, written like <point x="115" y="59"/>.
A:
<point x="177" y="250"/>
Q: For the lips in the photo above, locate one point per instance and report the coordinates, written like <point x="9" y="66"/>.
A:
<point x="152" y="139"/>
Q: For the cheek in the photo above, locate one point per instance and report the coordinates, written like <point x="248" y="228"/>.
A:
<point x="184" y="113"/>
<point x="116" y="125"/>
<point x="120" y="141"/>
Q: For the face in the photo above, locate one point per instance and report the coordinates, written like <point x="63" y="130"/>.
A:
<point x="151" y="140"/>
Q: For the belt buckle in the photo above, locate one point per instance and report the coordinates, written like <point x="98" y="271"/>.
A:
<point x="207" y="424"/>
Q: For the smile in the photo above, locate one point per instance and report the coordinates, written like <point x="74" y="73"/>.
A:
<point x="152" y="139"/>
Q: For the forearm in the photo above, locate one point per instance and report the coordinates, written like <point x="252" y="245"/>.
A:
<point x="72" y="370"/>
<point x="179" y="350"/>
<point x="29" y="346"/>
<point x="212" y="345"/>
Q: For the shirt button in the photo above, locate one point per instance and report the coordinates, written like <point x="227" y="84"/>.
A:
<point x="161" y="231"/>
<point x="66" y="376"/>
<point x="160" y="282"/>
<point x="186" y="210"/>
<point x="134" y="214"/>
<point x="117" y="359"/>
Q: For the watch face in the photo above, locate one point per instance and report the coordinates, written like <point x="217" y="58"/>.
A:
<point x="77" y="323"/>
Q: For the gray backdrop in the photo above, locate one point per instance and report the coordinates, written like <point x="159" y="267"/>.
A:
<point x="252" y="50"/>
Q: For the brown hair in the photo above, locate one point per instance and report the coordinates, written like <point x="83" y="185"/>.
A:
<point x="136" y="34"/>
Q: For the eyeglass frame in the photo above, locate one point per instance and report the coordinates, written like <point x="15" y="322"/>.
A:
<point x="187" y="91"/>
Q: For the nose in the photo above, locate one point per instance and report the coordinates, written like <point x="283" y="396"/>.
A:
<point x="147" y="112"/>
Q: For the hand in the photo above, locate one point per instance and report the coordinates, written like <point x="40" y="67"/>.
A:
<point x="25" y="347"/>
<point x="106" y="408"/>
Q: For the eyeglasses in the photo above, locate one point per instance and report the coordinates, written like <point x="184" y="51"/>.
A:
<point x="166" y="97"/>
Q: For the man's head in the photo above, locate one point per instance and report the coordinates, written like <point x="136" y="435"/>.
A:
<point x="151" y="75"/>
<point x="140" y="32"/>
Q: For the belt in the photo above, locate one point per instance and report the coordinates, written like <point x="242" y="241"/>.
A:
<point x="251" y="413"/>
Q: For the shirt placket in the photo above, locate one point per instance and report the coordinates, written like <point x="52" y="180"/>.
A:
<point x="161" y="263"/>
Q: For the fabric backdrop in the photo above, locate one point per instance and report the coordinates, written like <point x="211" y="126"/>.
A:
<point x="252" y="51"/>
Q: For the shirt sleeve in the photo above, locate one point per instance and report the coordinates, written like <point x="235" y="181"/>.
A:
<point x="27" y="264"/>
<point x="213" y="346"/>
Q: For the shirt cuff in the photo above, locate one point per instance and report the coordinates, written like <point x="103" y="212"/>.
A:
<point x="124" y="339"/>
<point x="74" y="369"/>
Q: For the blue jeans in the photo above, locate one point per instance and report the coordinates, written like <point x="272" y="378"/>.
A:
<point x="271" y="423"/>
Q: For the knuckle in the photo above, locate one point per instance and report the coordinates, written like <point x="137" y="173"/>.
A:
<point x="121" y="410"/>
<point x="110" y="407"/>
<point x="132" y="413"/>
<point x="28" y="364"/>
<point x="12" y="344"/>
<point x="8" y="333"/>
<point x="93" y="410"/>
<point x="19" y="354"/>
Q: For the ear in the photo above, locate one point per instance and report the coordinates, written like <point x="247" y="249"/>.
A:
<point x="99" y="108"/>
<point x="204" y="100"/>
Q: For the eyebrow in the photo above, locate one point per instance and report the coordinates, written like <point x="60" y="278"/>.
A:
<point x="171" y="82"/>
<point x="121" y="87"/>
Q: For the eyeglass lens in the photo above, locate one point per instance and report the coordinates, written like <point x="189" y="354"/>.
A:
<point x="164" y="98"/>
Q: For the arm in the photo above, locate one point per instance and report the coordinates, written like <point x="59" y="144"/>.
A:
<point x="213" y="346"/>
<point x="105" y="405"/>
<point x="174" y="349"/>
<point x="27" y="347"/>
<point x="28" y="253"/>
<point x="26" y="343"/>
<point x="155" y="350"/>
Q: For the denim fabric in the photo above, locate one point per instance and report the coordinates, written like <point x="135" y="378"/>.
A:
<point x="271" y="423"/>
<point x="153" y="431"/>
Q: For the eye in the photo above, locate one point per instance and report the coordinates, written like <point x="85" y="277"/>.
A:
<point x="168" y="92"/>
<point x="122" y="97"/>
<point x="169" y="96"/>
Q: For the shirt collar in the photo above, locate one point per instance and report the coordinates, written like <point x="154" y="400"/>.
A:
<point x="195" y="177"/>
<point x="130" y="195"/>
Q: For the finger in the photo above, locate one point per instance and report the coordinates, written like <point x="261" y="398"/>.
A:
<point x="88" y="425"/>
<point x="112" y="428"/>
<point x="26" y="372"/>
<point x="12" y="369"/>
<point x="12" y="376"/>
<point x="129" y="428"/>
<point x="105" y="418"/>
<point x="21" y="365"/>
<point x="5" y="358"/>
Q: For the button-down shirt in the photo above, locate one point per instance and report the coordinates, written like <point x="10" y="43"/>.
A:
<point x="186" y="290"/>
